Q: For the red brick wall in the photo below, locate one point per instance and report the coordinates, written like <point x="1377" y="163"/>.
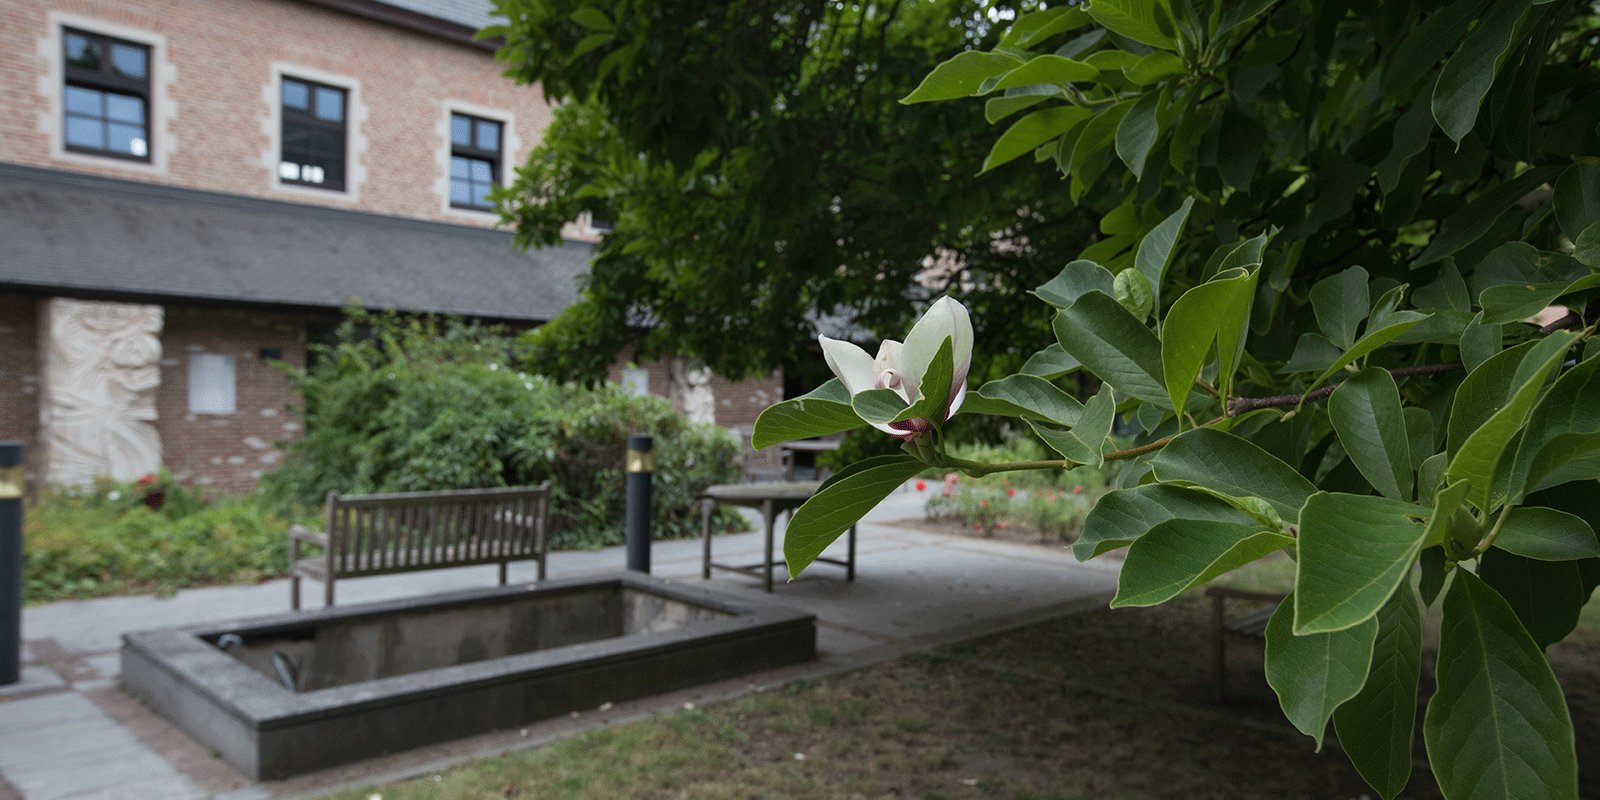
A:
<point x="228" y="452"/>
<point x="216" y="63"/>
<point x="19" y="377"/>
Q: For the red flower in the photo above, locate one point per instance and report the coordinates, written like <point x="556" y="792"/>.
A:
<point x="983" y="503"/>
<point x="1011" y="493"/>
<point x="148" y="479"/>
<point x="1077" y="490"/>
<point x="1052" y="497"/>
<point x="921" y="486"/>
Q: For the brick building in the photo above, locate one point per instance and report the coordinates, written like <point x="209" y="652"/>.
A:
<point x="191" y="189"/>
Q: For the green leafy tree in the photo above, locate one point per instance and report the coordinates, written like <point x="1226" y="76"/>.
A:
<point x="759" y="173"/>
<point x="1316" y="298"/>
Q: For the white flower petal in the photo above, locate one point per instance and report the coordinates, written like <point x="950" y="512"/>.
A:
<point x="850" y="363"/>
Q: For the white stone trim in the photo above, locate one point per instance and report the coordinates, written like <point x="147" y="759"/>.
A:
<point x="510" y="148"/>
<point x="163" y="109"/>
<point x="355" y="143"/>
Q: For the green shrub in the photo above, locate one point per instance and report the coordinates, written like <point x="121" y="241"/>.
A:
<point x="429" y="404"/>
<point x="105" y="540"/>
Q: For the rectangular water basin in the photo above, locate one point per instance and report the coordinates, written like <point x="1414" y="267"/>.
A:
<point x="306" y="690"/>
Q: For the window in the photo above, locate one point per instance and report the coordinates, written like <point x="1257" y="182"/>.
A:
<point x="313" y="135"/>
<point x="106" y="95"/>
<point x="212" y="384"/>
<point x="474" y="161"/>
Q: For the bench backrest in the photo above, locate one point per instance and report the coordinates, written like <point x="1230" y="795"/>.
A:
<point x="385" y="532"/>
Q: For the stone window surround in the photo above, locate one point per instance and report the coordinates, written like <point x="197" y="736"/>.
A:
<point x="355" y="171"/>
<point x="510" y="149"/>
<point x="162" y="109"/>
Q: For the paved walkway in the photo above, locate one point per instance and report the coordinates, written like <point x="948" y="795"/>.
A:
<point x="68" y="732"/>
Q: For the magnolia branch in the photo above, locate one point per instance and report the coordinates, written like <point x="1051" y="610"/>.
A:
<point x="1242" y="405"/>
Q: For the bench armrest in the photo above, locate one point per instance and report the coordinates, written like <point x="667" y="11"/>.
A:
<point x="302" y="534"/>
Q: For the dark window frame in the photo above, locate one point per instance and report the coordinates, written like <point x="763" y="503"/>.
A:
<point x="105" y="80"/>
<point x="474" y="151"/>
<point x="309" y="122"/>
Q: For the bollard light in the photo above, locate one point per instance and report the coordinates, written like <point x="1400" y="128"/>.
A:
<point x="10" y="562"/>
<point x="641" y="465"/>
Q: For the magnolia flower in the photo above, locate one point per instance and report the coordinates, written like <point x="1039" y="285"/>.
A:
<point x="900" y="367"/>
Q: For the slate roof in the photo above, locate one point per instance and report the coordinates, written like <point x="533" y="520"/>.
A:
<point x="83" y="235"/>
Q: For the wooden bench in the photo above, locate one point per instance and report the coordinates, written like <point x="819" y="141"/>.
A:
<point x="381" y="534"/>
<point x="1251" y="625"/>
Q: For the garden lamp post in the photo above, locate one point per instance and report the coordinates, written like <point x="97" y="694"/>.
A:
<point x="641" y="466"/>
<point x="10" y="562"/>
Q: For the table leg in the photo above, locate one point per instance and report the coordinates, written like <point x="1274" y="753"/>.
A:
<point x="707" y="506"/>
<point x="767" y="514"/>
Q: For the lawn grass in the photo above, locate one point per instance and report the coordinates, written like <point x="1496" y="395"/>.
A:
<point x="1109" y="704"/>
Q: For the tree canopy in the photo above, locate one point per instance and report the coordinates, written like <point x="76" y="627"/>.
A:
<point x="763" y="180"/>
<point x="1348" y="288"/>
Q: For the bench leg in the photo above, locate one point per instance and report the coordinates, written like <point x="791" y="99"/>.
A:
<point x="503" y="573"/>
<point x="327" y="591"/>
<point x="767" y="514"/>
<point x="294" y="592"/>
<point x="542" y="557"/>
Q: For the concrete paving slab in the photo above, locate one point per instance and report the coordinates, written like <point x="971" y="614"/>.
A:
<point x="61" y="745"/>
<point x="34" y="678"/>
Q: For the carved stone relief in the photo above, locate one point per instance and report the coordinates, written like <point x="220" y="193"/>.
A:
<point x="693" y="389"/>
<point x="102" y="366"/>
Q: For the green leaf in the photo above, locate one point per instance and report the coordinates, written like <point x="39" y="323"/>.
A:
<point x="1393" y="325"/>
<point x="1031" y="131"/>
<point x="1312" y="353"/>
<point x="1586" y="248"/>
<point x="822" y="411"/>
<point x="1577" y="199"/>
<point x="839" y="503"/>
<point x="1028" y="397"/>
<point x="1377" y="727"/>
<point x="1050" y="363"/>
<point x="1517" y="302"/>
<point x="1366" y="413"/>
<point x="1156" y="249"/>
<point x="592" y="18"/>
<point x="879" y="406"/>
<point x="1354" y="551"/>
<point x="1425" y="44"/>
<point x="1411" y="133"/>
<point x="1341" y="303"/>
<point x="998" y="108"/>
<point x="1546" y="596"/>
<point x="1145" y="21"/>
<point x="1133" y="292"/>
<point x="1565" y="425"/>
<point x="589" y="43"/>
<point x="1086" y="440"/>
<point x="1137" y="132"/>
<point x="1123" y="516"/>
<point x="1047" y="69"/>
<point x="1467" y="76"/>
<point x="1481" y="453"/>
<point x="1231" y="465"/>
<point x="1482" y="393"/>
<point x="961" y="76"/>
<point x="1498" y="725"/>
<point x="1217" y="310"/>
<point x="1314" y="673"/>
<point x="933" y="393"/>
<point x="1110" y="343"/>
<point x="1435" y="569"/>
<point x="1546" y="534"/>
<point x="1179" y="554"/>
<point x="1074" y="281"/>
<point x="1468" y="224"/>
<point x="1154" y="67"/>
<point x="1446" y="514"/>
<point x="1040" y="25"/>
